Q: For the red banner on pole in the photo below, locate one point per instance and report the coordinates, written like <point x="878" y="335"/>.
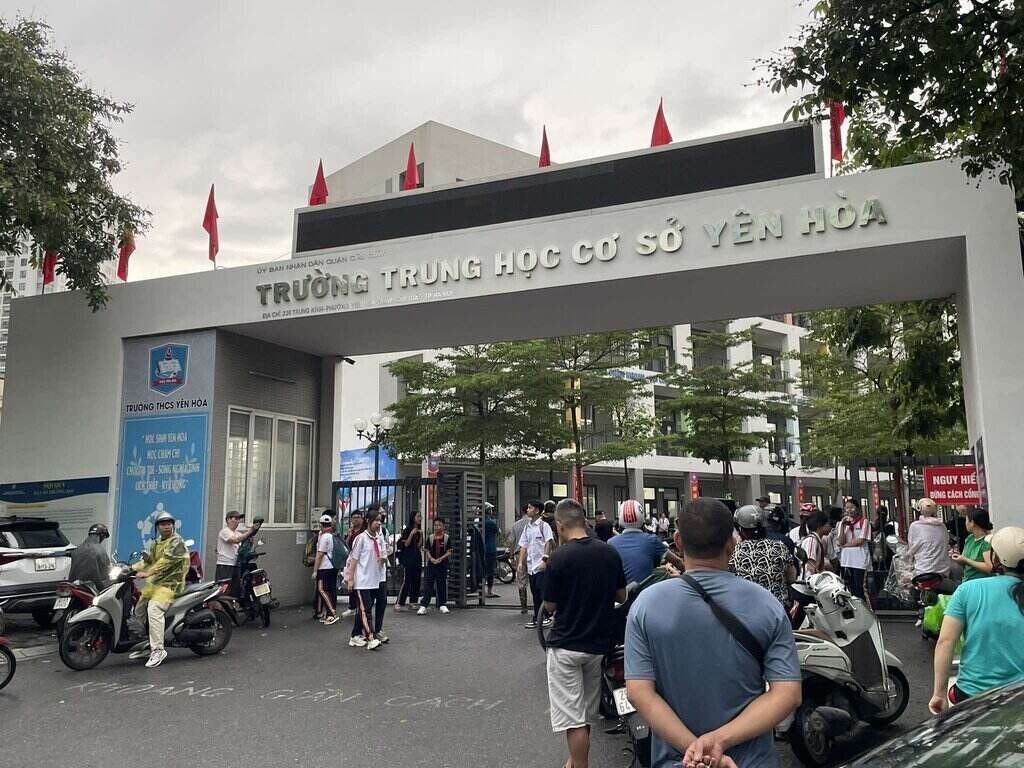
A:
<point x="952" y="485"/>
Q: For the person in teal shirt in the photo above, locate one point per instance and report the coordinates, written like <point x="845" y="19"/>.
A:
<point x="989" y="613"/>
<point x="976" y="557"/>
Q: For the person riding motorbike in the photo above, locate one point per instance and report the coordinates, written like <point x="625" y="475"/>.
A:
<point x="90" y="561"/>
<point x="164" y="567"/>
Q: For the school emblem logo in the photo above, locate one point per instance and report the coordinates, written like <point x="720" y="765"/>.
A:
<point x="168" y="366"/>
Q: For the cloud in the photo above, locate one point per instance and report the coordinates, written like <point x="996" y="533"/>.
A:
<point x="250" y="95"/>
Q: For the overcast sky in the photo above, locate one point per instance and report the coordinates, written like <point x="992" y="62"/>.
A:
<point x="250" y="94"/>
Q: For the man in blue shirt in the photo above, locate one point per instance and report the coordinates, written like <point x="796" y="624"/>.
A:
<point x="641" y="552"/>
<point x="700" y="690"/>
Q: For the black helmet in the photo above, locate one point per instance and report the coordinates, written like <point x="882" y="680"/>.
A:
<point x="99" y="529"/>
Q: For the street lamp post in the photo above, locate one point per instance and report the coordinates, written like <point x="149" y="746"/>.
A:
<point x="374" y="430"/>
<point x="784" y="461"/>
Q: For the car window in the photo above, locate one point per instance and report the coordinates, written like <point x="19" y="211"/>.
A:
<point x="985" y="732"/>
<point x="38" y="538"/>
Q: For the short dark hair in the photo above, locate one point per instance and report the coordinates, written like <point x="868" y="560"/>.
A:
<point x="851" y="500"/>
<point x="535" y="504"/>
<point x="705" y="526"/>
<point x="356" y="512"/>
<point x="233" y="513"/>
<point x="980" y="518"/>
<point x="599" y="513"/>
<point x="570" y="513"/>
<point x="439" y="520"/>
<point x="816" y="519"/>
<point x="549" y="505"/>
<point x="370" y="516"/>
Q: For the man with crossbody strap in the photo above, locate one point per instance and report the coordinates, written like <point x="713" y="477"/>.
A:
<point x="699" y="652"/>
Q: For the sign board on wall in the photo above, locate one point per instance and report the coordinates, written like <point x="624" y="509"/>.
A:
<point x="358" y="465"/>
<point x="75" y="504"/>
<point x="163" y="464"/>
<point x="951" y="485"/>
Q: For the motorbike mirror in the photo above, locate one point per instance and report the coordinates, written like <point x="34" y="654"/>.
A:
<point x="190" y="542"/>
<point x="801" y="554"/>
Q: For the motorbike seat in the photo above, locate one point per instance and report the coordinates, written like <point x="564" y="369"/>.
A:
<point x="190" y="588"/>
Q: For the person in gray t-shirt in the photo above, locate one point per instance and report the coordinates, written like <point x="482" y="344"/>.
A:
<point x="689" y="677"/>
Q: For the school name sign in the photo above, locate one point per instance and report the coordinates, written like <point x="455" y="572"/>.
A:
<point x="325" y="280"/>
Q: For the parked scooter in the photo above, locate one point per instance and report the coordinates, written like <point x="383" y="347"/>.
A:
<point x="504" y="570"/>
<point x="848" y="676"/>
<point x="199" y="619"/>
<point x="255" y="598"/>
<point x="72" y="597"/>
<point x="8" y="664"/>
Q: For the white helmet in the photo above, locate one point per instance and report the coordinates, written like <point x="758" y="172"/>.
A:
<point x="326" y="520"/>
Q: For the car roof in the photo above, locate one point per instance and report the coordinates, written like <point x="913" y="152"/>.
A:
<point x="17" y="522"/>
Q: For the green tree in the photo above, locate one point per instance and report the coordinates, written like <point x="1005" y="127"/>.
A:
<point x="470" y="402"/>
<point x="57" y="161"/>
<point x="715" y="399"/>
<point x="920" y="78"/>
<point x="884" y="379"/>
<point x="594" y="386"/>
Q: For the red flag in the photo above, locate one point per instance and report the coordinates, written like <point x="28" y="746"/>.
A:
<point x="661" y="134"/>
<point x="412" y="174"/>
<point x="126" y="250"/>
<point x="49" y="267"/>
<point x="836" y="116"/>
<point x="318" y="195"/>
<point x="210" y="225"/>
<point x="545" y="153"/>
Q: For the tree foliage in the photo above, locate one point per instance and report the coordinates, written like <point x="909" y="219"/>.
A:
<point x="478" y="403"/>
<point x="922" y="78"/>
<point x="58" y="158"/>
<point x="884" y="379"/>
<point x="716" y="398"/>
<point x="594" y="387"/>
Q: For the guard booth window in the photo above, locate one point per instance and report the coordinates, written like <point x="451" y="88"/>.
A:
<point x="269" y="467"/>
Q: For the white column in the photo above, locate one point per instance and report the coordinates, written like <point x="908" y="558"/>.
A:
<point x="328" y="430"/>
<point x="507" y="503"/>
<point x="989" y="306"/>
<point x="636" y="483"/>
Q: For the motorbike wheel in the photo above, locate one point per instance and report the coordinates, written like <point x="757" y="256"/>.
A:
<point x="3" y="623"/>
<point x="899" y="704"/>
<point x="43" y="617"/>
<point x="219" y="641"/>
<point x="62" y="622"/>
<point x="811" y="746"/>
<point x="84" y="645"/>
<point x="504" y="572"/>
<point x="264" y="615"/>
<point x="7" y="665"/>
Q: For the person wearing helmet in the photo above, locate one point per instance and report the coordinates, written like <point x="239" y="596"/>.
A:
<point x="164" y="568"/>
<point x="641" y="552"/>
<point x="325" y="571"/>
<point x="989" y="614"/>
<point x="90" y="562"/>
<point x="760" y="559"/>
<point x="798" y="534"/>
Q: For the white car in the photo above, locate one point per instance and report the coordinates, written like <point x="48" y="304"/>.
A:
<point x="34" y="557"/>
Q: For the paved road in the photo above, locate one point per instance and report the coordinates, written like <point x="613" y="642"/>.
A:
<point x="467" y="689"/>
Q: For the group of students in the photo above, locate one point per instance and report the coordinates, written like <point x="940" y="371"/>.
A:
<point x="361" y="557"/>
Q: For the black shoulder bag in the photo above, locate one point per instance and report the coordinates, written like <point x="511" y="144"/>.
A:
<point x="740" y="633"/>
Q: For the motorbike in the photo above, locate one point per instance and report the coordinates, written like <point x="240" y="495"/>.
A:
<point x="8" y="664"/>
<point x="848" y="675"/>
<point x="505" y="571"/>
<point x="72" y="597"/>
<point x="255" y="598"/>
<point x="198" y="619"/>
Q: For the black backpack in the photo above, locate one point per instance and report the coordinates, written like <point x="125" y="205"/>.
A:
<point x="339" y="551"/>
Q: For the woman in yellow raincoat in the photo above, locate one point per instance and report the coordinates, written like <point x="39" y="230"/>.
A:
<point x="164" y="569"/>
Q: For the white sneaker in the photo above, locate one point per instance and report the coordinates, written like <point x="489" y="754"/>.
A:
<point x="347" y="612"/>
<point x="422" y="611"/>
<point x="357" y="642"/>
<point x="444" y="609"/>
<point x="373" y="644"/>
<point x="382" y="637"/>
<point x="548" y="622"/>
<point x="156" y="658"/>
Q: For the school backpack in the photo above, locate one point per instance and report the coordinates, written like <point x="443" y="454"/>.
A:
<point x="339" y="552"/>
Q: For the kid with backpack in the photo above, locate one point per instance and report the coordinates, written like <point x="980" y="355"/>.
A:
<point x="325" y="571"/>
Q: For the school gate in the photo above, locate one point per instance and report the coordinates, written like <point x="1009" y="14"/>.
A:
<point x="178" y="374"/>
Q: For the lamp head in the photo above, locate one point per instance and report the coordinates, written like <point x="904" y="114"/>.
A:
<point x="360" y="424"/>
<point x="375" y="419"/>
<point x="388" y="423"/>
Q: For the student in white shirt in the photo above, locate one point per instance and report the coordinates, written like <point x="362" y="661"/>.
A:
<point x="325" y="571"/>
<point x="365" y="571"/>
<point x="854" y="535"/>
<point x="534" y="549"/>
<point x="228" y="541"/>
